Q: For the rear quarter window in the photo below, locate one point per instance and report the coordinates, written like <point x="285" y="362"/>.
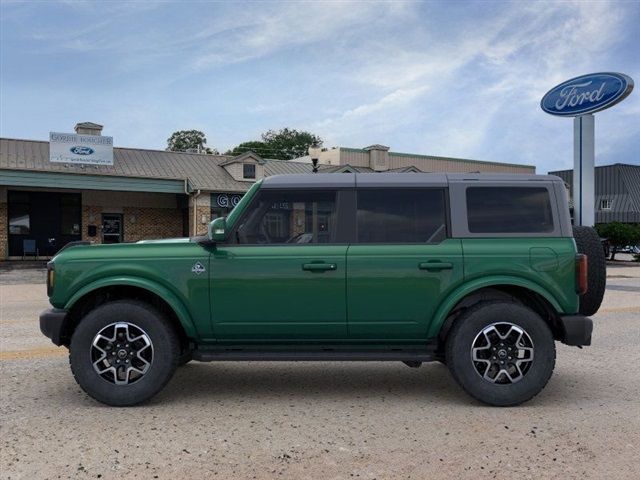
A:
<point x="509" y="210"/>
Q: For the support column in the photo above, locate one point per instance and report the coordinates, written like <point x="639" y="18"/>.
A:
<point x="583" y="170"/>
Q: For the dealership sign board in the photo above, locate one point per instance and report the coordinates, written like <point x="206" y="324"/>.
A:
<point x="587" y="94"/>
<point x="80" y="149"/>
<point x="580" y="98"/>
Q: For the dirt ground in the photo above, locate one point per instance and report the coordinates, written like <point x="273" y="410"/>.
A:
<point x="320" y="420"/>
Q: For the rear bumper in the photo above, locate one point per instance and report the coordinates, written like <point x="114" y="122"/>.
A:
<point x="577" y="330"/>
<point x="52" y="324"/>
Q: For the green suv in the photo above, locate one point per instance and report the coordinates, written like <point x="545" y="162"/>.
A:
<point x="482" y="272"/>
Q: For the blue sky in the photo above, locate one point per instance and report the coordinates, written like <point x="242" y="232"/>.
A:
<point x="461" y="79"/>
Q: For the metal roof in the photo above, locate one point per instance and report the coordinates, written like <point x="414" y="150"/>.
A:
<point x="284" y="167"/>
<point x="204" y="172"/>
<point x="200" y="171"/>
<point x="619" y="185"/>
<point x="631" y="179"/>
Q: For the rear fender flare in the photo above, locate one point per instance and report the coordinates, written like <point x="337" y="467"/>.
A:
<point x="454" y="297"/>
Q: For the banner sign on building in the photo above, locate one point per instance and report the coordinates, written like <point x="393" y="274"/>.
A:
<point x="587" y="94"/>
<point x="80" y="149"/>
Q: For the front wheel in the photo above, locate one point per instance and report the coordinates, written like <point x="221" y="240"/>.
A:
<point x="501" y="353"/>
<point x="122" y="353"/>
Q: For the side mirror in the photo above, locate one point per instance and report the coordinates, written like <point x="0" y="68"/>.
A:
<point x="218" y="230"/>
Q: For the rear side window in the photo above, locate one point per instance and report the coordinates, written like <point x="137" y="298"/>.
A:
<point x="401" y="216"/>
<point x="509" y="210"/>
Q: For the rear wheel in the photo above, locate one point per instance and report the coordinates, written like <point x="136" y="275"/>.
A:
<point x="123" y="353"/>
<point x="588" y="242"/>
<point x="501" y="353"/>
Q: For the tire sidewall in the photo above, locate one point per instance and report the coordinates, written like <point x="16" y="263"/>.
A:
<point x="459" y="360"/>
<point x="165" y="353"/>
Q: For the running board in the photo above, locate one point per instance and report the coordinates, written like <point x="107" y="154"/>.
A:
<point x="315" y="355"/>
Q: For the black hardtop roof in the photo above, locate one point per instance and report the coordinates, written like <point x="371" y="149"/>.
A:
<point x="415" y="179"/>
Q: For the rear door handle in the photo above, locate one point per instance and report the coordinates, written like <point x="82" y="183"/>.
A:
<point x="435" y="266"/>
<point x="319" y="267"/>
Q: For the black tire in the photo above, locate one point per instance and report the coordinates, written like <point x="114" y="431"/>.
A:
<point x="588" y="243"/>
<point x="468" y="327"/>
<point x="165" y="352"/>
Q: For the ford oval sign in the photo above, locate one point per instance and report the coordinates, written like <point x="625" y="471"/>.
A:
<point x="587" y="94"/>
<point x="81" y="150"/>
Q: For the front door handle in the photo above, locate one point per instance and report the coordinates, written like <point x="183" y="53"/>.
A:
<point x="435" y="266"/>
<point x="319" y="267"/>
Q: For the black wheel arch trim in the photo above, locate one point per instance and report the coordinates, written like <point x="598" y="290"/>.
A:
<point x="53" y="324"/>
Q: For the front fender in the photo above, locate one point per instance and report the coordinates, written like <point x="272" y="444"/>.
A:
<point x="469" y="287"/>
<point x="174" y="302"/>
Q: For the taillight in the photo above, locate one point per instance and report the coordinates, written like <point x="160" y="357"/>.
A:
<point x="582" y="272"/>
<point x="51" y="276"/>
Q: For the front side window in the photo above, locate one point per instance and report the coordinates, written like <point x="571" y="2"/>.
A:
<point x="509" y="210"/>
<point x="401" y="216"/>
<point x="248" y="170"/>
<point x="289" y="217"/>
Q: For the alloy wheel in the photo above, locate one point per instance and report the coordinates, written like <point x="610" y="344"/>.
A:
<point x="502" y="353"/>
<point x="121" y="353"/>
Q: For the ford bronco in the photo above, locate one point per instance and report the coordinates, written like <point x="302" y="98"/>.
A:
<point x="482" y="272"/>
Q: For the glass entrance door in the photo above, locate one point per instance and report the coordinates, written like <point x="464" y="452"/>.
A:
<point x="111" y="228"/>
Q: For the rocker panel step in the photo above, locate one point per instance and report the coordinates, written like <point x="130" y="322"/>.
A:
<point x="314" y="355"/>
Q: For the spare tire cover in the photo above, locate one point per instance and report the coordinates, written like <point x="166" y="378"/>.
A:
<point x="588" y="243"/>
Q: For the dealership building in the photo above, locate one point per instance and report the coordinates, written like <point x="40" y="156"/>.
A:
<point x="616" y="192"/>
<point x="79" y="187"/>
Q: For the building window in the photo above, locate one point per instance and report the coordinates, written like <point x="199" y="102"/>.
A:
<point x="51" y="219"/>
<point x="249" y="170"/>
<point x="70" y="214"/>
<point x="19" y="213"/>
<point x="605" y="204"/>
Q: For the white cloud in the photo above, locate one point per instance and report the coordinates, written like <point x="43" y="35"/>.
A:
<point x="483" y="79"/>
<point x="257" y="34"/>
<point x="457" y="79"/>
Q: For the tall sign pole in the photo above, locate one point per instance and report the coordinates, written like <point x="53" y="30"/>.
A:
<point x="584" y="170"/>
<point x="580" y="98"/>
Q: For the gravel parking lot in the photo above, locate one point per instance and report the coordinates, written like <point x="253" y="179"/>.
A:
<point x="329" y="420"/>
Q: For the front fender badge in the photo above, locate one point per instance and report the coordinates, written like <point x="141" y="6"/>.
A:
<point x="198" y="268"/>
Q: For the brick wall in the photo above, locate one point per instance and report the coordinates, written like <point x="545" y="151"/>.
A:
<point x="91" y="215"/>
<point x="144" y="215"/>
<point x="153" y="216"/>
<point x="149" y="223"/>
<point x="137" y="223"/>
<point x="203" y="211"/>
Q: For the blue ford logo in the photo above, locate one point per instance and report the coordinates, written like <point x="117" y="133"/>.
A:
<point x="587" y="94"/>
<point x="81" y="150"/>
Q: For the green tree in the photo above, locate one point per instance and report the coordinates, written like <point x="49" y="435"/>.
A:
<point x="284" y="144"/>
<point x="290" y="143"/>
<point x="184" y="140"/>
<point x="255" y="146"/>
<point x="619" y="235"/>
